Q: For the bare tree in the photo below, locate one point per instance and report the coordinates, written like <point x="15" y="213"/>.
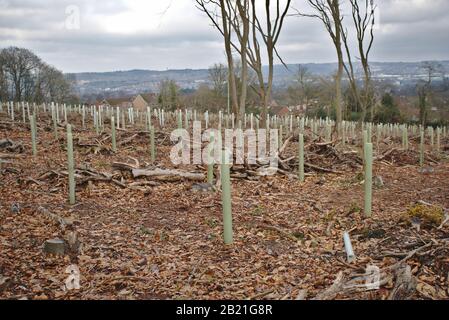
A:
<point x="269" y="31"/>
<point x="3" y="84"/>
<point x="424" y="88"/>
<point x="303" y="77"/>
<point x="364" y="22"/>
<point x="328" y="12"/>
<point x="219" y="13"/>
<point x="218" y="74"/>
<point x="168" y="97"/>
<point x="19" y="64"/>
<point x="242" y="19"/>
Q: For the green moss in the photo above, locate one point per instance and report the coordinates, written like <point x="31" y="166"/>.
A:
<point x="427" y="214"/>
<point x="354" y="208"/>
<point x="211" y="222"/>
<point x="373" y="234"/>
<point x="259" y="211"/>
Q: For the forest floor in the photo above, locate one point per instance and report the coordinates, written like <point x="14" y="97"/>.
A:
<point x="164" y="241"/>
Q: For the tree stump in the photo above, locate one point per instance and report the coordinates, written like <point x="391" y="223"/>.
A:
<point x="54" y="246"/>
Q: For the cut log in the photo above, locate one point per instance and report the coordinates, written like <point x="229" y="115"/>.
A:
<point x="160" y="173"/>
<point x="333" y="290"/>
<point x="63" y="222"/>
<point x="54" y="246"/>
<point x="405" y="284"/>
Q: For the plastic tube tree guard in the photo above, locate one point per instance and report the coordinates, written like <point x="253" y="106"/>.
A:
<point x="55" y="122"/>
<point x="33" y="133"/>
<point x="421" y="149"/>
<point x="438" y="140"/>
<point x="152" y="145"/>
<point x="71" y="165"/>
<point x="301" y="175"/>
<point x="210" y="161"/>
<point x="113" y="135"/>
<point x="226" y="199"/>
<point x="368" y="179"/>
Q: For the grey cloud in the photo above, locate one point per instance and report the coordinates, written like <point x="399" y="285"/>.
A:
<point x="409" y="30"/>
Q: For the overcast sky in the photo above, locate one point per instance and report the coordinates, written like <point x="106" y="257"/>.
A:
<point x="155" y="34"/>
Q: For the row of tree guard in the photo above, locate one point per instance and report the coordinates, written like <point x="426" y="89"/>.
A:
<point x="318" y="128"/>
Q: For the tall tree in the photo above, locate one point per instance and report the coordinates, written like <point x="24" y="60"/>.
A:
<point x="363" y="18"/>
<point x="3" y="83"/>
<point x="19" y="64"/>
<point x="168" y="97"/>
<point x="303" y="78"/>
<point x="268" y="28"/>
<point x="424" y="89"/>
<point x="219" y="13"/>
<point x="329" y="13"/>
<point x="218" y="75"/>
<point x="252" y="28"/>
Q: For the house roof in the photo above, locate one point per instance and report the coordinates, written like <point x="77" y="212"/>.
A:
<point x="148" y="97"/>
<point x="280" y="111"/>
<point x="117" y="101"/>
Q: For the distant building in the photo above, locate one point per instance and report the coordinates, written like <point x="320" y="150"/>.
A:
<point x="142" y="101"/>
<point x="117" y="102"/>
<point x="279" y="111"/>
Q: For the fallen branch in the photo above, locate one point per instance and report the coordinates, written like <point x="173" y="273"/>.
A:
<point x="162" y="173"/>
<point x="316" y="168"/>
<point x="279" y="230"/>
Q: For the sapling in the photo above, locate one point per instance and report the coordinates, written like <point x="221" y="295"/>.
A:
<point x="432" y="140"/>
<point x="281" y="134"/>
<point x="180" y="120"/>
<point x="71" y="165"/>
<point x="328" y="132"/>
<point x="23" y="113"/>
<point x="84" y="117"/>
<point x="65" y="112"/>
<point x="210" y="162"/>
<point x="55" y="122"/>
<point x="33" y="133"/>
<point x="123" y="123"/>
<point x="113" y="135"/>
<point x="97" y="129"/>
<point x="438" y="140"/>
<point x="226" y="199"/>
<point x="301" y="158"/>
<point x="405" y="137"/>
<point x="421" y="149"/>
<point x="118" y="117"/>
<point x="368" y="178"/>
<point x="152" y="145"/>
<point x="364" y="142"/>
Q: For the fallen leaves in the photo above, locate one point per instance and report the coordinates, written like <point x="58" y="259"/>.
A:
<point x="167" y="244"/>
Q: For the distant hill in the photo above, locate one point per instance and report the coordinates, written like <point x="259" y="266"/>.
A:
<point x="137" y="81"/>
